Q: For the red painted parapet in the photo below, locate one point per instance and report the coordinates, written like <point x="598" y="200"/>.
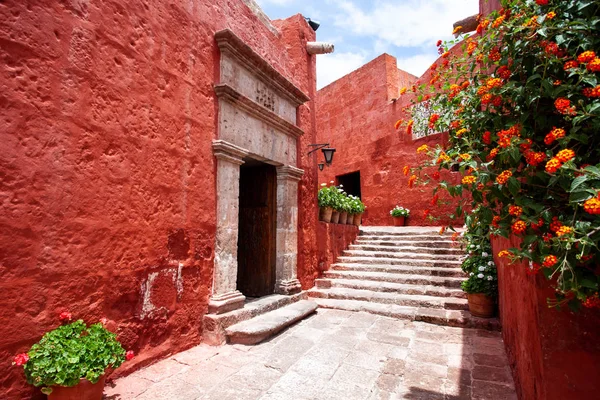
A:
<point x="554" y="354"/>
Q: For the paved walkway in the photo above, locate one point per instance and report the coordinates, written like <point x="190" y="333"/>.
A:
<point x="335" y="355"/>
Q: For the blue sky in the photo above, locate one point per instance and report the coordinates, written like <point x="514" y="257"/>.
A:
<point x="362" y="30"/>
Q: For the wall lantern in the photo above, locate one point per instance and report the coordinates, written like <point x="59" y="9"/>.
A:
<point x="321" y="166"/>
<point x="327" y="153"/>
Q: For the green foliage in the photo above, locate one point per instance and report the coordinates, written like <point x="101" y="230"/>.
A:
<point x="399" y="212"/>
<point x="522" y="108"/>
<point x="336" y="198"/>
<point x="479" y="263"/>
<point x="71" y="352"/>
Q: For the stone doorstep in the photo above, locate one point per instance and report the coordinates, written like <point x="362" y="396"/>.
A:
<point x="400" y="254"/>
<point x="441" y="251"/>
<point x="398" y="269"/>
<point x="266" y="325"/>
<point x="449" y="282"/>
<point x="392" y="287"/>
<point x="411" y="300"/>
<point x="454" y="318"/>
<point x="215" y="324"/>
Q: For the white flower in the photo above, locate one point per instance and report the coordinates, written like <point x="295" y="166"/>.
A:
<point x="331" y="182"/>
<point x="341" y="185"/>
<point x="490" y="263"/>
<point x="471" y="274"/>
<point x="480" y="276"/>
<point x="484" y="254"/>
<point x="481" y="268"/>
<point x="323" y="184"/>
<point x="489" y="278"/>
<point x="478" y="246"/>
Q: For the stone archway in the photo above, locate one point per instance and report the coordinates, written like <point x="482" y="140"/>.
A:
<point x="257" y="120"/>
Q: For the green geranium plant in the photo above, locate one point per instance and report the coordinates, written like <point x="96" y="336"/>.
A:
<point x="399" y="212"/>
<point x="71" y="352"/>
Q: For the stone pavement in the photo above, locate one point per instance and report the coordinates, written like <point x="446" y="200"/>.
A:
<point x="334" y="354"/>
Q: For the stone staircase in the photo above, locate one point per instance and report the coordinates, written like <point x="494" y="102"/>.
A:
<point x="404" y="272"/>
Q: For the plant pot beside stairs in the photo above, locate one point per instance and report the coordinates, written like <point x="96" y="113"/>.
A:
<point x="325" y="214"/>
<point x="343" y="217"/>
<point x="481" y="305"/>
<point x="399" y="221"/>
<point x="399" y="215"/>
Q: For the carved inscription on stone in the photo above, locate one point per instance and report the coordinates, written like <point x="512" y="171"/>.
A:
<point x="265" y="97"/>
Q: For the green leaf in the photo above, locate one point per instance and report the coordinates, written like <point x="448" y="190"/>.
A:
<point x="578" y="182"/>
<point x="514" y="186"/>
<point x="579" y="196"/>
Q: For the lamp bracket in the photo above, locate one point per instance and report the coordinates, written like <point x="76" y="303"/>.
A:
<point x="317" y="146"/>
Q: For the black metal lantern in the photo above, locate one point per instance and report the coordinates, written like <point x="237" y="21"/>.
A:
<point x="321" y="166"/>
<point x="328" y="153"/>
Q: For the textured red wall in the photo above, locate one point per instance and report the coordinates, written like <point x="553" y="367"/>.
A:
<point x="356" y="115"/>
<point x="333" y="240"/>
<point x="107" y="177"/>
<point x="555" y="354"/>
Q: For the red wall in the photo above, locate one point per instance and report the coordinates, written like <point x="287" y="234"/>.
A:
<point x="554" y="354"/>
<point x="333" y="240"/>
<point x="107" y="177"/>
<point x="356" y="115"/>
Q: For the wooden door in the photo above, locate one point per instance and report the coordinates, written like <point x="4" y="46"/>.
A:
<point x="257" y="223"/>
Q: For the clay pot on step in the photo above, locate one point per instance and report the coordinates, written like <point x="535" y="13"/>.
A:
<point x="325" y="214"/>
<point x="85" y="390"/>
<point x="399" y="221"/>
<point x="350" y="220"/>
<point x="343" y="218"/>
<point x="357" y="219"/>
<point x="481" y="305"/>
<point x="335" y="217"/>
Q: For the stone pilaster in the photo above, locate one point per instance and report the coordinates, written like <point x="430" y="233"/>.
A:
<point x="286" y="278"/>
<point x="225" y="296"/>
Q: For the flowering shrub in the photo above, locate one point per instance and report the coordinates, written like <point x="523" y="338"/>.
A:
<point x="523" y="103"/>
<point x="399" y="212"/>
<point x="71" y="352"/>
<point x="479" y="263"/>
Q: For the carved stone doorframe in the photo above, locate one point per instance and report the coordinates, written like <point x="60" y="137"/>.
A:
<point x="257" y="120"/>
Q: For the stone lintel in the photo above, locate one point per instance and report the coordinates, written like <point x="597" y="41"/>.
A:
<point x="224" y="150"/>
<point x="222" y="303"/>
<point x="228" y="93"/>
<point x="288" y="287"/>
<point x="231" y="43"/>
<point x="287" y="172"/>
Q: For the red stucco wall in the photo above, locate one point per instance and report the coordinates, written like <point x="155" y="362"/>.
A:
<point x="333" y="240"/>
<point x="554" y="354"/>
<point x="356" y="115"/>
<point x="107" y="177"/>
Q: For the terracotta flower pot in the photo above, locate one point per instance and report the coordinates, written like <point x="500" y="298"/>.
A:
<point x="481" y="305"/>
<point x="85" y="390"/>
<point x="325" y="214"/>
<point x="357" y="219"/>
<point x="343" y="218"/>
<point x="350" y="220"/>
<point x="335" y="217"/>
<point x="399" y="221"/>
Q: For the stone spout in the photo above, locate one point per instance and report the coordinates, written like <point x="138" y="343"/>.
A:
<point x="319" y="48"/>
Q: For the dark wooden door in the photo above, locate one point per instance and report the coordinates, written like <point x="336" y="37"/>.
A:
<point x="256" y="240"/>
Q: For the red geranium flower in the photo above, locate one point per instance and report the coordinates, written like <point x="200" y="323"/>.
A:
<point x="20" y="359"/>
<point x="129" y="355"/>
<point x="65" y="316"/>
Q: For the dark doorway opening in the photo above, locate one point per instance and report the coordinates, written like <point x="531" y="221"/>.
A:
<point x="257" y="224"/>
<point x="351" y="183"/>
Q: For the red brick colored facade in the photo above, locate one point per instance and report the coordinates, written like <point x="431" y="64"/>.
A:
<point x="555" y="354"/>
<point x="356" y="115"/>
<point x="107" y="172"/>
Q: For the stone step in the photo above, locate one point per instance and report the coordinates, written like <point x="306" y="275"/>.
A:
<point x="405" y="230"/>
<point x="215" y="324"/>
<point x="415" y="262"/>
<point x="402" y="255"/>
<point x="456" y="318"/>
<point x="392" y="287"/>
<point x="259" y="328"/>
<point x="399" y="269"/>
<point x="426" y="280"/>
<point x="448" y="303"/>
<point x="418" y="238"/>
<point x="446" y="244"/>
<point x="407" y="249"/>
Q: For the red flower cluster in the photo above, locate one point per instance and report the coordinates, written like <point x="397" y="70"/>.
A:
<point x="586" y="56"/>
<point x="411" y="181"/>
<point x="519" y="227"/>
<point x="553" y="165"/>
<point x="505" y="136"/>
<point x="570" y="65"/>
<point x="20" y="359"/>
<point x="129" y="355"/>
<point x="550" y="261"/>
<point x="565" y="155"/>
<point x="482" y="26"/>
<point x="503" y="177"/>
<point x="432" y="120"/>
<point x="592" y="301"/>
<point x="409" y="127"/>
<point x="592" y="206"/>
<point x="594" y="65"/>
<point x="515" y="210"/>
<point x="534" y="158"/>
<point x="555" y="134"/>
<point x="406" y="170"/>
<point x="592" y="92"/>
<point x="65" y="316"/>
<point x="495" y="221"/>
<point x="487" y="137"/>
<point x="555" y="225"/>
<point x="503" y="72"/>
<point x="542" y="2"/>
<point x="564" y="106"/>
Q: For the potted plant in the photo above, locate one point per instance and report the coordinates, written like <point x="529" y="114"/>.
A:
<point x="399" y="214"/>
<point x="344" y="206"/>
<point x="357" y="208"/>
<point x="326" y="201"/>
<point x="481" y="285"/>
<point x="337" y="203"/>
<point x="70" y="362"/>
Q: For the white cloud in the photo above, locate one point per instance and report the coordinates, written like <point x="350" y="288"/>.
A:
<point x="417" y="64"/>
<point x="410" y="23"/>
<point x="331" y="67"/>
